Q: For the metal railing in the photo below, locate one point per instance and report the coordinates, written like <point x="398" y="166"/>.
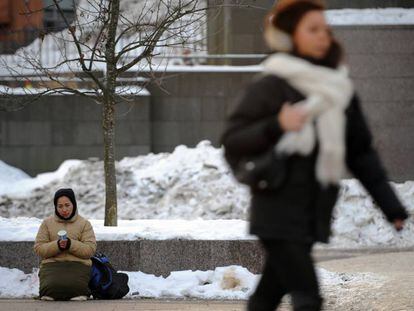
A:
<point x="11" y="41"/>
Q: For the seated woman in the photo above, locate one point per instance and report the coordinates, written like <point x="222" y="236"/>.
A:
<point x="65" y="267"/>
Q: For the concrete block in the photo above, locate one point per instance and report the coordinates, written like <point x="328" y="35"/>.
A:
<point x="65" y="108"/>
<point x="28" y="133"/>
<point x="244" y="43"/>
<point x="238" y="83"/>
<point x="48" y="158"/>
<point x="19" y="255"/>
<point x="213" y="108"/>
<point x="16" y="156"/>
<point x="158" y="148"/>
<point x="88" y="133"/>
<point x="188" y="84"/>
<point x="176" y="133"/>
<point x="165" y="133"/>
<point x="39" y="159"/>
<point x="131" y="151"/>
<point x="124" y="255"/>
<point x="362" y="39"/>
<point x="385" y="90"/>
<point x="394" y="151"/>
<point x="379" y="116"/>
<point x="212" y="131"/>
<point x="132" y="132"/>
<point x="3" y="133"/>
<point x="381" y="65"/>
<point x="162" y="257"/>
<point x="136" y="109"/>
<point x="177" y="109"/>
<point x="63" y="132"/>
<point x="164" y="85"/>
<point x="85" y="109"/>
<point x="34" y="111"/>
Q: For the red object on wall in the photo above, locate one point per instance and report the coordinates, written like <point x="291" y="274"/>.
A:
<point x="20" y="19"/>
<point x="5" y="16"/>
<point x="27" y="14"/>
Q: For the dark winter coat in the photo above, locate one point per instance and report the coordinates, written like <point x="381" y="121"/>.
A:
<point x="300" y="209"/>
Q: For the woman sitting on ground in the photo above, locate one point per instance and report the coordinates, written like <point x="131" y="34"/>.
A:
<point x="65" y="267"/>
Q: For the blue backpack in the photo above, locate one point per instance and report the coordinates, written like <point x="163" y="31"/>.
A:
<point x="105" y="281"/>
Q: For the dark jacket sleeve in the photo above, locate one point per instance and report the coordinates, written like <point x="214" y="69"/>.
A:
<point x="364" y="162"/>
<point x="252" y="127"/>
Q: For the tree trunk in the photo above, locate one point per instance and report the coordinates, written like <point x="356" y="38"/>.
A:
<point x="109" y="163"/>
<point x="111" y="206"/>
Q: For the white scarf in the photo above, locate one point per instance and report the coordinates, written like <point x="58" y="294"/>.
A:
<point x="328" y="93"/>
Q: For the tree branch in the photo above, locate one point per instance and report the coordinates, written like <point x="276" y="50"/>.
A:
<point x="76" y="41"/>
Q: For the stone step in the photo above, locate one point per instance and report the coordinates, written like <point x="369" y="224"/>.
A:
<point x="160" y="257"/>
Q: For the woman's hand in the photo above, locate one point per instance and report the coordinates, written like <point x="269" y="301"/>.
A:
<point x="398" y="224"/>
<point x="63" y="244"/>
<point x="292" y="118"/>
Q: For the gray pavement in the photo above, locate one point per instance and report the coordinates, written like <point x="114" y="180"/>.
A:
<point x="122" y="305"/>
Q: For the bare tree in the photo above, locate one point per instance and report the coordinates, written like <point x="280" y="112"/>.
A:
<point x="109" y="37"/>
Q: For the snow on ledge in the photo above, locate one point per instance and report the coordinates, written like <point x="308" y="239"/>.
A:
<point x="120" y="90"/>
<point x="388" y="16"/>
<point x="25" y="229"/>
<point x="204" y="68"/>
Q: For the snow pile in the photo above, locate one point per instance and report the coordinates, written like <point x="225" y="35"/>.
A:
<point x="188" y="184"/>
<point x="25" y="185"/>
<point x="232" y="282"/>
<point x="359" y="222"/>
<point x="386" y="16"/>
<point x="10" y="174"/>
<point x="15" y="283"/>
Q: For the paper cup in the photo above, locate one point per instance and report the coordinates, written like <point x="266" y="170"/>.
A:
<point x="62" y="234"/>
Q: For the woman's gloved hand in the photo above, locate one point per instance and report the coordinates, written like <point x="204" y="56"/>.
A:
<point x="63" y="244"/>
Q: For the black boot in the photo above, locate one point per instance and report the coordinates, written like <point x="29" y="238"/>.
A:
<point x="260" y="304"/>
<point x="303" y="301"/>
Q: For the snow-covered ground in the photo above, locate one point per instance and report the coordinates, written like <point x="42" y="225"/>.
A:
<point x="191" y="190"/>
<point x="232" y="282"/>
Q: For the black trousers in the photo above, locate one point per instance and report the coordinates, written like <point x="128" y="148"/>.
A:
<point x="288" y="269"/>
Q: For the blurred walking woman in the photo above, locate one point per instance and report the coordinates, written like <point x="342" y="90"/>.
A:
<point x="302" y="114"/>
<point x="65" y="242"/>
